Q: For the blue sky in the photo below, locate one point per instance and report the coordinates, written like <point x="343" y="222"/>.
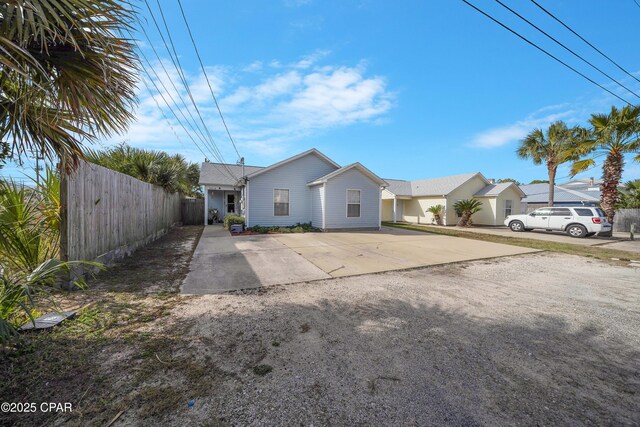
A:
<point x="411" y="89"/>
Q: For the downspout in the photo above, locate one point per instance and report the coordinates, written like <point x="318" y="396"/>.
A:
<point x="323" y="205"/>
<point x="380" y="209"/>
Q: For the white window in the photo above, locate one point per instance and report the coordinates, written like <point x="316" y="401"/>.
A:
<point x="353" y="203"/>
<point x="280" y="202"/>
<point x="507" y="208"/>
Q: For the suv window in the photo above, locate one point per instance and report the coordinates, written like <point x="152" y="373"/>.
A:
<point x="541" y="212"/>
<point x="601" y="212"/>
<point x="560" y="212"/>
<point x="584" y="211"/>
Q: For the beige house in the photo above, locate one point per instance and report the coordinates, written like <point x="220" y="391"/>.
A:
<point x="408" y="201"/>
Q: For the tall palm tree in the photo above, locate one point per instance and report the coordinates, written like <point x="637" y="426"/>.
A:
<point x="612" y="136"/>
<point x="553" y="148"/>
<point x="66" y="78"/>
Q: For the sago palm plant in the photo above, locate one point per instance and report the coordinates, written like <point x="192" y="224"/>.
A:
<point x="612" y="136"/>
<point x="466" y="208"/>
<point x="437" y="212"/>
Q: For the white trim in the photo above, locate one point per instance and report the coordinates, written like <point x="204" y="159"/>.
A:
<point x="273" y="201"/>
<point x="395" y="210"/>
<point x="372" y="176"/>
<point x="324" y="204"/>
<point x="380" y="209"/>
<point x="359" y="203"/>
<point x="206" y="205"/>
<point x="246" y="203"/>
<point x="296" y="157"/>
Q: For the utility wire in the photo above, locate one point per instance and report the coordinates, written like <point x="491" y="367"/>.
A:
<point x="565" y="47"/>
<point x="584" y="40"/>
<point x="178" y="66"/>
<point x="184" y="80"/>
<point x="545" y="52"/>
<point x="207" y="78"/>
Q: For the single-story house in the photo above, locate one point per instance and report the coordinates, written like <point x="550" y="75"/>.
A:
<point x="537" y="196"/>
<point x="409" y="200"/>
<point x="308" y="187"/>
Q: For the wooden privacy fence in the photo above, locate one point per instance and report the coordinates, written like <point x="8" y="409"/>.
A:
<point x="624" y="218"/>
<point x="106" y="214"/>
<point x="192" y="211"/>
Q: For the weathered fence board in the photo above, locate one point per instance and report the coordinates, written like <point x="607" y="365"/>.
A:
<point x="192" y="211"/>
<point x="106" y="214"/>
<point x="624" y="218"/>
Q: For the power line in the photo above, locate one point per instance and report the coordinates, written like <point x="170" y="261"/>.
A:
<point x="546" y="53"/>
<point x="186" y="85"/>
<point x="636" y="2"/>
<point x="584" y="40"/>
<point x="178" y="66"/>
<point x="565" y="47"/>
<point x="207" y="78"/>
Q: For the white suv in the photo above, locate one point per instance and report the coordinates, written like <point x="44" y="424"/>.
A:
<point x="575" y="221"/>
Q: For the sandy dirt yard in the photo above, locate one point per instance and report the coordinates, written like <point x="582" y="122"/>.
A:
<point x="537" y="339"/>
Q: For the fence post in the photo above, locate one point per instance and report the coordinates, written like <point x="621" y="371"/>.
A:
<point x="64" y="218"/>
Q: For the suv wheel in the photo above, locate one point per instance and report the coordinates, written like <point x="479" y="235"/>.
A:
<point x="576" y="230"/>
<point x="516" y="226"/>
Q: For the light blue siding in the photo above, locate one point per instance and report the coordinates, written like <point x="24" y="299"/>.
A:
<point x="293" y="176"/>
<point x="317" y="205"/>
<point x="336" y="201"/>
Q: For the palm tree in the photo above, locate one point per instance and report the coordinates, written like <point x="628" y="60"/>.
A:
<point x="630" y="199"/>
<point x="66" y="78"/>
<point x="173" y="173"/>
<point x="611" y="136"/>
<point x="465" y="209"/>
<point x="437" y="211"/>
<point x="553" y="148"/>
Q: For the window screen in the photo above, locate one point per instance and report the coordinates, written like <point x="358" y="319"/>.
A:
<point x="353" y="203"/>
<point x="507" y="207"/>
<point x="280" y="202"/>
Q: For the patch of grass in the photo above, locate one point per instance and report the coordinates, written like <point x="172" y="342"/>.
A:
<point x="275" y="344"/>
<point x="262" y="370"/>
<point x="298" y="228"/>
<point x="597" y="252"/>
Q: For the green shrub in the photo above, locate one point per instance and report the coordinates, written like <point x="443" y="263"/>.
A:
<point x="298" y="228"/>
<point x="229" y="220"/>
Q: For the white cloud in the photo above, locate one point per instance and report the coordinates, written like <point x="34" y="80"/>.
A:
<point x="267" y="108"/>
<point x="503" y="135"/>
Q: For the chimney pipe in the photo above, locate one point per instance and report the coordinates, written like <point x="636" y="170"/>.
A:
<point x="591" y="182"/>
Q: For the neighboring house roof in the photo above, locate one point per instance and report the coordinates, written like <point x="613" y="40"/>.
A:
<point x="399" y="187"/>
<point x="539" y="193"/>
<point x="220" y="173"/>
<point x="493" y="190"/>
<point x="291" y="159"/>
<point x="431" y="187"/>
<point x="344" y="169"/>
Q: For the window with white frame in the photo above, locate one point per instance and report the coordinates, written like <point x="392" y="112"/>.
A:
<point x="353" y="203"/>
<point x="280" y="202"/>
<point x="507" y="207"/>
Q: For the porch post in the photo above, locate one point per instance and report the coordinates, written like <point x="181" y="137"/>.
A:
<point x="395" y="208"/>
<point x="206" y="205"/>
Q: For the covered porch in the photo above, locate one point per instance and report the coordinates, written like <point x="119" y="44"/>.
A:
<point x="220" y="201"/>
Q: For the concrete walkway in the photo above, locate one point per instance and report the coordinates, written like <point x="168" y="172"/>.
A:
<point x="222" y="262"/>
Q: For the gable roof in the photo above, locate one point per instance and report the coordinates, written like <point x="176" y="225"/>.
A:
<point x="432" y="186"/>
<point x="291" y="159"/>
<point x="219" y="173"/>
<point x="493" y="190"/>
<point x="372" y="176"/>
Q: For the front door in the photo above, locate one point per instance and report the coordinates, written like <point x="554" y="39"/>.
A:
<point x="230" y="203"/>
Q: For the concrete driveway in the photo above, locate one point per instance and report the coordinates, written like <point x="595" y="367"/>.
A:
<point x="223" y="262"/>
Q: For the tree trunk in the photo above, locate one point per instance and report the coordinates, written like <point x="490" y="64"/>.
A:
<point x="552" y="168"/>
<point x="464" y="219"/>
<point x="611" y="175"/>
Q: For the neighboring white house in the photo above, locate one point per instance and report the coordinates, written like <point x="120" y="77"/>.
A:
<point x="409" y="200"/>
<point x="308" y="187"/>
